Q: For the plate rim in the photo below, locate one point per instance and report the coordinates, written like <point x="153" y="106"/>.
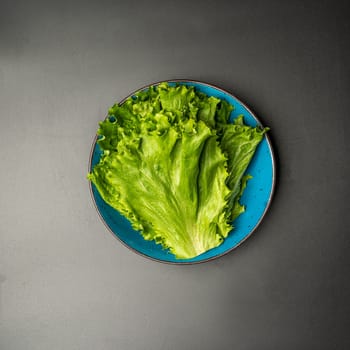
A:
<point x="267" y="206"/>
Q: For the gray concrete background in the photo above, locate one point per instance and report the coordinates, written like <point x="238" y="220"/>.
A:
<point x="65" y="282"/>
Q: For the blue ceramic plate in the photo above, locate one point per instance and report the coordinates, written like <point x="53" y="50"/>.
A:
<point x="256" y="197"/>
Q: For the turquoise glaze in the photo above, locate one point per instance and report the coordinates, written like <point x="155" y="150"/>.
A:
<point x="256" y="197"/>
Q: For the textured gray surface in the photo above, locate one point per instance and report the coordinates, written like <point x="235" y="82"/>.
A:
<point x="65" y="282"/>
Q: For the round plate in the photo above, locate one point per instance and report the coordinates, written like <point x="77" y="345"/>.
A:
<point x="256" y="197"/>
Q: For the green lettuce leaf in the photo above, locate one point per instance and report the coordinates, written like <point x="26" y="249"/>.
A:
<point x="174" y="166"/>
<point x="239" y="143"/>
